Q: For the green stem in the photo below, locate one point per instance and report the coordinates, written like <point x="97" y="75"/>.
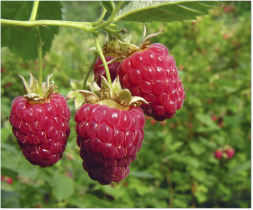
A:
<point x="100" y="19"/>
<point x="101" y="55"/>
<point x="85" y="26"/>
<point x="34" y="11"/>
<point x="90" y="69"/>
<point x="39" y="44"/>
<point x="114" y="32"/>
<point x="111" y="19"/>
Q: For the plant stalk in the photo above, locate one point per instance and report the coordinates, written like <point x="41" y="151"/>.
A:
<point x="90" y="69"/>
<point x="34" y="11"/>
<point x="39" y="44"/>
<point x="101" y="55"/>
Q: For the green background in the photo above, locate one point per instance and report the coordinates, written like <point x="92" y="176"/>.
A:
<point x="176" y="166"/>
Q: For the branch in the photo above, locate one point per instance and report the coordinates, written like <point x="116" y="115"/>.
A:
<point x="85" y="26"/>
<point x="34" y="11"/>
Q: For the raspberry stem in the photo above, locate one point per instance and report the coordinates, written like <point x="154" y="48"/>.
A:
<point x="39" y="43"/>
<point x="90" y="69"/>
<point x="34" y="11"/>
<point x="101" y="55"/>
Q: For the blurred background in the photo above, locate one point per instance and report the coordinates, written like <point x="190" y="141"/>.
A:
<point x="176" y="166"/>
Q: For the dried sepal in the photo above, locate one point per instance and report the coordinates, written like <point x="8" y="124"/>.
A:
<point x="136" y="100"/>
<point x="32" y="89"/>
<point x="146" y="41"/>
<point x="26" y="85"/>
<point x="119" y="49"/>
<point x="34" y="96"/>
<point x="89" y="97"/>
<point x="143" y="35"/>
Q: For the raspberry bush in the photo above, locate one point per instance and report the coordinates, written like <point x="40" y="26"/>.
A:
<point x="173" y="162"/>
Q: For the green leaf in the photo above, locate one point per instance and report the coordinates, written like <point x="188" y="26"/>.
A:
<point x="10" y="199"/>
<point x="239" y="168"/>
<point x="108" y="5"/>
<point x="140" y="174"/>
<point x="13" y="159"/>
<point x="22" y="40"/>
<point x="196" y="148"/>
<point x="63" y="187"/>
<point x="206" y="119"/>
<point x="167" y="11"/>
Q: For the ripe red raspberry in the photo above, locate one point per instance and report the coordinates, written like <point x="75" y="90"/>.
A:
<point x="218" y="153"/>
<point x="109" y="139"/>
<point x="152" y="75"/>
<point x="9" y="180"/>
<point x="100" y="70"/>
<point x="42" y="129"/>
<point x="230" y="152"/>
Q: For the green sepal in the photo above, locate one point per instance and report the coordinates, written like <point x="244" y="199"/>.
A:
<point x="78" y="98"/>
<point x="107" y="91"/>
<point x="95" y="88"/>
<point x="89" y="97"/>
<point x="124" y="97"/>
<point x="105" y="95"/>
<point x="75" y="84"/>
<point x="116" y="86"/>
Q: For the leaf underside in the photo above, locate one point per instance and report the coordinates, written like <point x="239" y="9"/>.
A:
<point x="22" y="40"/>
<point x="164" y="11"/>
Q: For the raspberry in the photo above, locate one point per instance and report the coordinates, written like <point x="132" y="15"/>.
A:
<point x="152" y="75"/>
<point x="9" y="180"/>
<point x="42" y="129"/>
<point x="100" y="70"/>
<point x="218" y="153"/>
<point x="109" y="139"/>
<point x="230" y="152"/>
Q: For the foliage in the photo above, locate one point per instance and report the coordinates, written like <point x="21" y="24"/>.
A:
<point x="176" y="166"/>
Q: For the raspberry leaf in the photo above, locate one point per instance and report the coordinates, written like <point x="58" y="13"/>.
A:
<point x="21" y="10"/>
<point x="108" y="5"/>
<point x="168" y="11"/>
<point x="63" y="187"/>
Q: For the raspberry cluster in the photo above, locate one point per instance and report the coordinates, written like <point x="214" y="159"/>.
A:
<point x="109" y="123"/>
<point x="226" y="152"/>
<point x="42" y="129"/>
